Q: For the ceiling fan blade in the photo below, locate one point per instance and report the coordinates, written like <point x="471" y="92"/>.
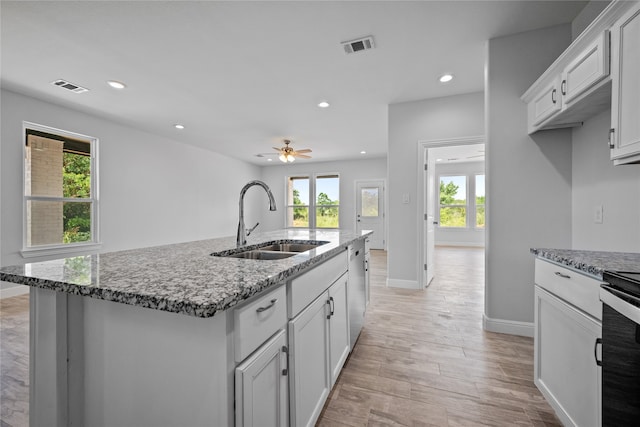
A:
<point x="277" y="149"/>
<point x="302" y="156"/>
<point x="304" y="150"/>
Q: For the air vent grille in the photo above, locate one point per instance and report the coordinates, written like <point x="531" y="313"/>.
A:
<point x="69" y="86"/>
<point x="358" y="45"/>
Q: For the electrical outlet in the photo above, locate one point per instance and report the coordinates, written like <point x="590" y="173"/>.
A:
<point x="597" y="214"/>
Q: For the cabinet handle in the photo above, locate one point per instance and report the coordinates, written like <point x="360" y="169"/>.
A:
<point x="595" y="351"/>
<point x="261" y="309"/>
<point x="285" y="350"/>
<point x="564" y="276"/>
<point x="563" y="87"/>
<point x="331" y="307"/>
<point x="553" y="96"/>
<point x="611" y="132"/>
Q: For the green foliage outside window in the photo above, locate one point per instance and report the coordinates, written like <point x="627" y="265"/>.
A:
<point x="76" y="183"/>
<point x="326" y="215"/>
<point x="451" y="216"/>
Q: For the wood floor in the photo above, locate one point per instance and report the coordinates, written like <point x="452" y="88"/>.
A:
<point x="422" y="358"/>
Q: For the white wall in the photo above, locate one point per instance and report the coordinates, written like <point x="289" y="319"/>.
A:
<point x="468" y="236"/>
<point x="153" y="190"/>
<point x="349" y="170"/>
<point x="409" y="122"/>
<point x="528" y="178"/>
<point x="597" y="182"/>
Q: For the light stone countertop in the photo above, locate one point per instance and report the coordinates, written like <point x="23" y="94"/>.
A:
<point x="593" y="263"/>
<point x="181" y="278"/>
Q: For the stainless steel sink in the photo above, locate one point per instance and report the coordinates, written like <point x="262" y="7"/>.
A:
<point x="290" y="247"/>
<point x="266" y="255"/>
<point x="278" y="249"/>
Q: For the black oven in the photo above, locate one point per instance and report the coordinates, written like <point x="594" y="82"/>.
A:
<point x="620" y="349"/>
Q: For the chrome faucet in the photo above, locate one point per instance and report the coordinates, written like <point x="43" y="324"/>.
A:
<point x="242" y="234"/>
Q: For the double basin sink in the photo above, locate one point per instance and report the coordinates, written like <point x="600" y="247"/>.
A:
<point x="279" y="249"/>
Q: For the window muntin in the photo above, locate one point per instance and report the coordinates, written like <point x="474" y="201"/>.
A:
<point x="313" y="203"/>
<point x="453" y="201"/>
<point x="60" y="197"/>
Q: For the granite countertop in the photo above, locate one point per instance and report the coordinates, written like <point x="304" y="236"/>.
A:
<point x="181" y="278"/>
<point x="593" y="263"/>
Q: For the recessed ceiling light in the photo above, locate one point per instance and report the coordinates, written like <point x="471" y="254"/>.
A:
<point x="446" y="78"/>
<point x="363" y="152"/>
<point x="438" y="160"/>
<point x="116" y="85"/>
<point x="323" y="104"/>
<point x="178" y="126"/>
<point x="269" y="160"/>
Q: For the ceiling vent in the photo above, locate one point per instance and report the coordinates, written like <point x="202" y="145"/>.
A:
<point x="358" y="45"/>
<point x="69" y="86"/>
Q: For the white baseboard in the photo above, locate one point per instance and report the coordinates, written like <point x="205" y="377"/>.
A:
<point x="405" y="284"/>
<point x="14" y="291"/>
<point x="511" y="327"/>
<point x="463" y="244"/>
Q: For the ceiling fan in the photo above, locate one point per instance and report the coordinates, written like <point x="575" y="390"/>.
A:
<point x="288" y="154"/>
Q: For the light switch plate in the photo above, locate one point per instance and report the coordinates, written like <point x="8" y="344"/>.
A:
<point x="405" y="198"/>
<point x="597" y="214"/>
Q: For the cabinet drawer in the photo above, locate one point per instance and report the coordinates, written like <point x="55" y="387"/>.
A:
<point x="306" y="288"/>
<point x="573" y="287"/>
<point x="255" y="322"/>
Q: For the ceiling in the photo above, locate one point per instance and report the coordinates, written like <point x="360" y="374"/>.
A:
<point x="242" y="76"/>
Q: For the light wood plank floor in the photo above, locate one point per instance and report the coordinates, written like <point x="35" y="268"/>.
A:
<point x="421" y="360"/>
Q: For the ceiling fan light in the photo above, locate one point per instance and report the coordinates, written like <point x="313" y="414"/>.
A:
<point x="283" y="158"/>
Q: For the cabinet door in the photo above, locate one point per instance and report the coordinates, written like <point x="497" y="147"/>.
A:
<point x="545" y="104"/>
<point x="625" y="95"/>
<point x="565" y="369"/>
<point x="338" y="326"/>
<point x="309" y="379"/>
<point x="261" y="385"/>
<point x="587" y="69"/>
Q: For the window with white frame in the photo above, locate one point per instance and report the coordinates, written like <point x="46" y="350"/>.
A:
<point x="60" y="190"/>
<point x="457" y="209"/>
<point x="313" y="202"/>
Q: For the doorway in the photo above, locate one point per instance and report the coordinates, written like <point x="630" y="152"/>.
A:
<point x="457" y="155"/>
<point x="370" y="208"/>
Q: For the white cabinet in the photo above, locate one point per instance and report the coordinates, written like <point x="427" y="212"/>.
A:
<point x="625" y="95"/>
<point x="565" y="369"/>
<point x="339" y="344"/>
<point x="319" y="338"/>
<point x="309" y="358"/>
<point x="261" y="385"/>
<point x="573" y="88"/>
<point x="260" y="343"/>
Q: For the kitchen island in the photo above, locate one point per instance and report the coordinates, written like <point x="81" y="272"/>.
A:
<point x="149" y="336"/>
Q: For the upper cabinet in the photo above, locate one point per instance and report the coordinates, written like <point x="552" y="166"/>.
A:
<point x="624" y="136"/>
<point x="578" y="84"/>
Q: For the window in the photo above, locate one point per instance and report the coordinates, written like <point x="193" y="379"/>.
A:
<point x="480" y="201"/>
<point x="60" y="198"/>
<point x="456" y="209"/>
<point x="313" y="203"/>
<point x="453" y="201"/>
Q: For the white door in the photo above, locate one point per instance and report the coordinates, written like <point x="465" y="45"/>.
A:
<point x="431" y="200"/>
<point x="261" y="385"/>
<point x="370" y="210"/>
<point x="338" y="326"/>
<point x="309" y="379"/>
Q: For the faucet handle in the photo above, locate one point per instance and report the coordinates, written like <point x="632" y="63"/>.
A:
<point x="249" y="231"/>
